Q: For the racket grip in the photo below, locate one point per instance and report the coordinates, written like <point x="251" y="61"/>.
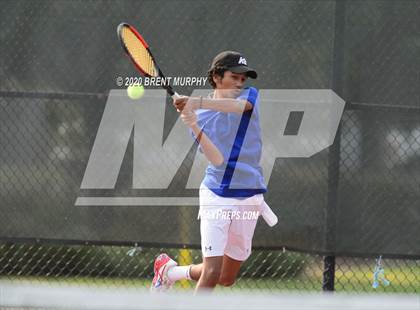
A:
<point x="175" y="96"/>
<point x="268" y="215"/>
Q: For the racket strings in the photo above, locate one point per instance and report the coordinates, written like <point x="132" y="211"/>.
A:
<point x="138" y="52"/>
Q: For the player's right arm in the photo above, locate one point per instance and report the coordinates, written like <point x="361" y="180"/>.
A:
<point x="211" y="151"/>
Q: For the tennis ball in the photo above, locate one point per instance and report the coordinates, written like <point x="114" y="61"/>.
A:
<point x="135" y="91"/>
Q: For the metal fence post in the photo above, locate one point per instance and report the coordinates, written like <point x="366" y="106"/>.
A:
<point x="334" y="150"/>
<point x="333" y="180"/>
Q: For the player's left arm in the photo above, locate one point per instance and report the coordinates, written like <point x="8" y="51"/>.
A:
<point x="222" y="105"/>
<point x="225" y="105"/>
<point x="239" y="105"/>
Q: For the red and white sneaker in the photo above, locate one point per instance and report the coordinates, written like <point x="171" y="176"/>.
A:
<point x="160" y="281"/>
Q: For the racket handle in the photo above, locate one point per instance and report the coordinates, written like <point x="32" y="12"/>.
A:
<point x="175" y="96"/>
<point x="268" y="215"/>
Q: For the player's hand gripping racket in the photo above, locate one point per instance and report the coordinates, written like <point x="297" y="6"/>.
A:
<point x="138" y="51"/>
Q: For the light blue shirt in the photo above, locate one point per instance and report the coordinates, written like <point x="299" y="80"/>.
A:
<point x="238" y="138"/>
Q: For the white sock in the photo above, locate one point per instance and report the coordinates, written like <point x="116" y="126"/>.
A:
<point x="176" y="273"/>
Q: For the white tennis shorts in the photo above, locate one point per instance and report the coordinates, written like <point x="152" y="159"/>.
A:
<point x="227" y="225"/>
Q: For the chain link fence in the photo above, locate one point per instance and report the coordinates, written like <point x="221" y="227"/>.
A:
<point x="116" y="266"/>
<point x="340" y="209"/>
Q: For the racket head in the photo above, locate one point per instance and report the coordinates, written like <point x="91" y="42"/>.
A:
<point x="137" y="50"/>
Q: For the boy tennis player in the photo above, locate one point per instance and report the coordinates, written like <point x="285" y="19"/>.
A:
<point x="227" y="128"/>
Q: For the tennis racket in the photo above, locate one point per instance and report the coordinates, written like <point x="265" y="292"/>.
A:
<point x="139" y="52"/>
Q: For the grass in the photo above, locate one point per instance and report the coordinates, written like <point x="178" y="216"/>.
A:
<point x="403" y="280"/>
<point x="352" y="275"/>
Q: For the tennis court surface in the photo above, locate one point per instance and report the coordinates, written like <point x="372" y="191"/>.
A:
<point x="30" y="296"/>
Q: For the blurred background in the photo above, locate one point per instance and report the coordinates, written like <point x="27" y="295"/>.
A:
<point x="339" y="210"/>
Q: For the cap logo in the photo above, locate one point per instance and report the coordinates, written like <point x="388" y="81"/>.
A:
<point x="242" y="61"/>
